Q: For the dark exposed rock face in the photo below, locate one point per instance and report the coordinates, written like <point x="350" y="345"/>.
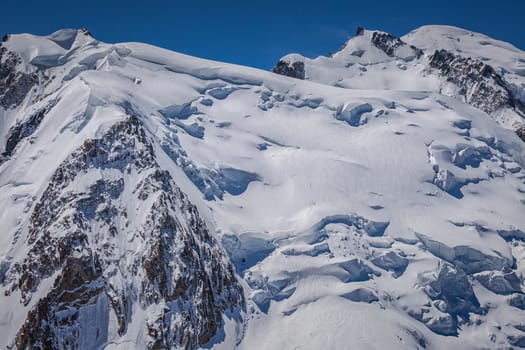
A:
<point x="14" y="85"/>
<point x="389" y="43"/>
<point x="107" y="255"/>
<point x="290" y="69"/>
<point x="24" y="129"/>
<point x="78" y="286"/>
<point x="479" y="84"/>
<point x="86" y="31"/>
<point x="521" y="132"/>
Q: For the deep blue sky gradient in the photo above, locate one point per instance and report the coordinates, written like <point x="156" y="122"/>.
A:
<point x="258" y="33"/>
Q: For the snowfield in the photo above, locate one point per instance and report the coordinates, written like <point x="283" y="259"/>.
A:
<point x="366" y="207"/>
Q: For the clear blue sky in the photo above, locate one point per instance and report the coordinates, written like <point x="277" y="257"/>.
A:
<point x="258" y="33"/>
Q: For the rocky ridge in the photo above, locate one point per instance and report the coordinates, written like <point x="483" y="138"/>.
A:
<point x="100" y="258"/>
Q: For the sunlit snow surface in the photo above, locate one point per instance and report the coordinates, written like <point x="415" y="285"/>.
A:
<point x="336" y="205"/>
<point x="359" y="64"/>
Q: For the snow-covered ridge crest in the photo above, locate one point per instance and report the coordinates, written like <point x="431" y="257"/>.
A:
<point x="37" y="50"/>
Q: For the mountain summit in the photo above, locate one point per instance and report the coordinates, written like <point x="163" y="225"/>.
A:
<point x="370" y="199"/>
<point x="472" y="67"/>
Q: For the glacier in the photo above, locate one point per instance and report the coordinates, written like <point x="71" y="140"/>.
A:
<point x="368" y="199"/>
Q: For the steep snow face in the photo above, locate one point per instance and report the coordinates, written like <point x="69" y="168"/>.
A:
<point x="44" y="52"/>
<point x="377" y="60"/>
<point x="386" y="218"/>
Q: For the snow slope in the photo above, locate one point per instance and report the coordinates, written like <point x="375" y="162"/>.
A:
<point x="378" y="60"/>
<point x="361" y="209"/>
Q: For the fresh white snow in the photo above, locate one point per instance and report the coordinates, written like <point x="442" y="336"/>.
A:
<point x="336" y="198"/>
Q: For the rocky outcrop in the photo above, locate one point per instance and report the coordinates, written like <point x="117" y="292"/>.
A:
<point x="79" y="286"/>
<point x="14" y="84"/>
<point x="117" y="242"/>
<point x="478" y="83"/>
<point x="521" y="132"/>
<point x="390" y="43"/>
<point x="24" y="129"/>
<point x="86" y="32"/>
<point x="290" y="69"/>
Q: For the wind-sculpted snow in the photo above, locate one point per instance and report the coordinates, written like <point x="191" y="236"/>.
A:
<point x="382" y="208"/>
<point x="183" y="111"/>
<point x="213" y="183"/>
<point x="352" y="113"/>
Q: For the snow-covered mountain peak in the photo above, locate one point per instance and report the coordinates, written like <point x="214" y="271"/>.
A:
<point x="46" y="51"/>
<point x="367" y="47"/>
<point x="365" y="42"/>
<point x="364" y="48"/>
<point x="150" y="199"/>
<point x="456" y="40"/>
<point x="484" y="72"/>
<point x="71" y="38"/>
